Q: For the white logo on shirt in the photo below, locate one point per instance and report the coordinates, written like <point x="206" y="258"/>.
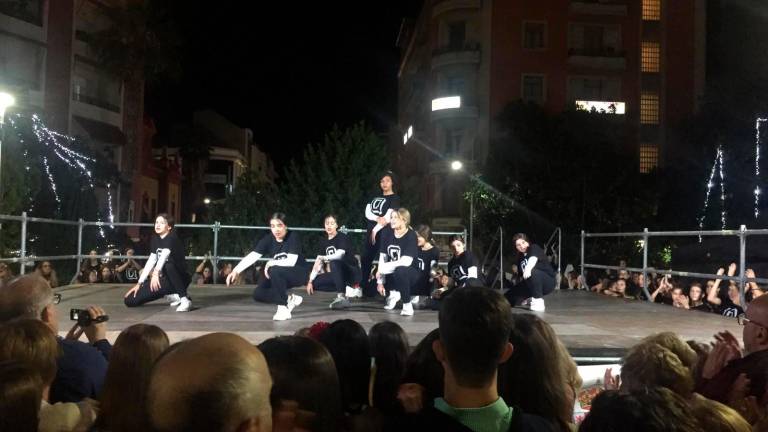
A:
<point x="330" y="250"/>
<point x="458" y="273"/>
<point x="393" y="251"/>
<point x="421" y="264"/>
<point x="281" y="255"/>
<point x="377" y="205"/>
<point x="131" y="274"/>
<point x="158" y="251"/>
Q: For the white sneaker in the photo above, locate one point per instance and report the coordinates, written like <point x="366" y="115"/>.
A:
<point x="282" y="313"/>
<point x="526" y="302"/>
<point x="173" y="299"/>
<point x="353" y="292"/>
<point x="394" y="297"/>
<point x="537" y="304"/>
<point x="407" y="309"/>
<point x="184" y="303"/>
<point x="293" y="301"/>
<point x="340" y="302"/>
<point x="414" y="299"/>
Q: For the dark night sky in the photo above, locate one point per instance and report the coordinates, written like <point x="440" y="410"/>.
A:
<point x="287" y="71"/>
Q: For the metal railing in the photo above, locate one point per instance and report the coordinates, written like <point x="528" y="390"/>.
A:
<point x="742" y="233"/>
<point x="215" y="227"/>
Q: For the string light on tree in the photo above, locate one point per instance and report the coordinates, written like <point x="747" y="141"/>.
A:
<point x="710" y="185"/>
<point x="757" y="190"/>
<point x="722" y="186"/>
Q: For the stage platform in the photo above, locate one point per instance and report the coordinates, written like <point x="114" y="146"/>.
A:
<point x="590" y="325"/>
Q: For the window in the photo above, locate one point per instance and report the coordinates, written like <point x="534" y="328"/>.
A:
<point x="457" y="33"/>
<point x="534" y="35"/>
<point x="649" y="157"/>
<point x="455" y="86"/>
<point x="21" y="62"/>
<point x="533" y="89"/>
<point x="652" y="10"/>
<point x="95" y="87"/>
<point x="453" y="138"/>
<point x="651" y="57"/>
<point x="594" y="39"/>
<point x="592" y="88"/>
<point x="649" y="108"/>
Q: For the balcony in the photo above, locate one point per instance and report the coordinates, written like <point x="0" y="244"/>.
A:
<point x="464" y="112"/>
<point x="453" y="55"/>
<point x="442" y="6"/>
<point x="598" y="7"/>
<point x="606" y="58"/>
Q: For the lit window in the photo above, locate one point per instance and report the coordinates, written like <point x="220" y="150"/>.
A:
<point x="649" y="108"/>
<point x="651" y="56"/>
<point x="652" y="10"/>
<point x="649" y="157"/>
<point x="534" y="35"/>
<point x="533" y="88"/>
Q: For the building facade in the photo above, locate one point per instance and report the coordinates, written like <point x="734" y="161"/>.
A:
<point x="641" y="59"/>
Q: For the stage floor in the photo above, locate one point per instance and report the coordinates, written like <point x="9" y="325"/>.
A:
<point x="590" y="325"/>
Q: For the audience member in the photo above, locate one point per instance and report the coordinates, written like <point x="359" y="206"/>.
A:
<point x="648" y="410"/>
<point x="129" y="270"/>
<point x="123" y="399"/>
<point x="45" y="270"/>
<point x="6" y="274"/>
<point x="189" y="392"/>
<point x="303" y="372"/>
<point x="348" y="344"/>
<point x="389" y="349"/>
<point x="204" y="271"/>
<point x="33" y="343"/>
<point x="90" y="265"/>
<point x="423" y="377"/>
<point x="81" y="367"/>
<point x="21" y="391"/>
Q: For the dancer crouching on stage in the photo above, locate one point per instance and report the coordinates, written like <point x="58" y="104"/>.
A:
<point x="426" y="263"/>
<point x="538" y="274"/>
<point x="463" y="266"/>
<point x="170" y="277"/>
<point x="377" y="213"/>
<point x="396" y="273"/>
<point x="337" y="269"/>
<point x="284" y="270"/>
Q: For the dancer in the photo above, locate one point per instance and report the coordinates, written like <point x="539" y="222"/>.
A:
<point x="337" y="268"/>
<point x="463" y="266"/>
<point x="399" y="249"/>
<point x="170" y="278"/>
<point x="284" y="270"/>
<point x="538" y="274"/>
<point x="377" y="213"/>
<point x="426" y="263"/>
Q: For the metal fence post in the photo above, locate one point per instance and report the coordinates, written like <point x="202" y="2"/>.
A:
<point x="215" y="258"/>
<point x="80" y="225"/>
<point x="583" y="273"/>
<point x="501" y="258"/>
<point x="559" y="250"/>
<point x="645" y="264"/>
<point x="23" y="254"/>
<point x="742" y="262"/>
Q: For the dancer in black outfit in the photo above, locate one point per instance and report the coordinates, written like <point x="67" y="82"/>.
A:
<point x="538" y="274"/>
<point x="462" y="267"/>
<point x="336" y="269"/>
<point x="170" y="277"/>
<point x="398" y="250"/>
<point x="377" y="213"/>
<point x="286" y="268"/>
<point x="426" y="263"/>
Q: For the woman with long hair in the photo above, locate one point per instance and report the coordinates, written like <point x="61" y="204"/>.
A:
<point x="426" y="263"/>
<point x="283" y="271"/>
<point x="45" y="270"/>
<point x="538" y="274"/>
<point x="396" y="274"/>
<point x="336" y="268"/>
<point x="123" y="398"/>
<point x="389" y="349"/>
<point x="378" y="214"/>
<point x="463" y="267"/>
<point x="169" y="275"/>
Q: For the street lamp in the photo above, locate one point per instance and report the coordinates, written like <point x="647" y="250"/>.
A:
<point x="457" y="165"/>
<point x="6" y="100"/>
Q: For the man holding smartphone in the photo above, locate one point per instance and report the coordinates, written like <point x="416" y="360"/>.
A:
<point x="82" y="366"/>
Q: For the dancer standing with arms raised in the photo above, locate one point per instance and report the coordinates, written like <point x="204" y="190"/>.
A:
<point x="286" y="268"/>
<point x="166" y="264"/>
<point x="378" y="213"/>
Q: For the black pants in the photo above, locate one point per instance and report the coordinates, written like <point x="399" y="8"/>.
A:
<point x="336" y="280"/>
<point x="370" y="253"/>
<point x="536" y="286"/>
<point x="171" y="282"/>
<point x="423" y="285"/>
<point x="275" y="288"/>
<point x="404" y="280"/>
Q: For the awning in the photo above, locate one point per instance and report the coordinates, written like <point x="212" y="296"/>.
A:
<point x="102" y="132"/>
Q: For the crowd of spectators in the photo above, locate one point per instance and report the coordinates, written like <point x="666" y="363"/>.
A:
<point x="484" y="368"/>
<point x="720" y="296"/>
